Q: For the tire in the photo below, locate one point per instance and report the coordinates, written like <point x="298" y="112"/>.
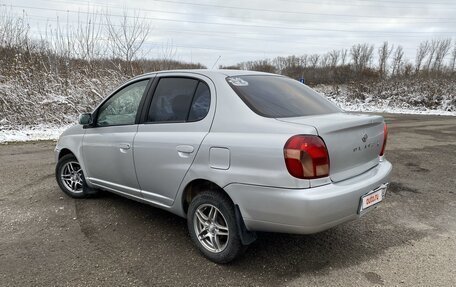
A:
<point x="70" y="177"/>
<point x="221" y="242"/>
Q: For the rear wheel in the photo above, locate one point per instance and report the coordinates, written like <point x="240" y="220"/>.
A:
<point x="212" y="226"/>
<point x="70" y="177"/>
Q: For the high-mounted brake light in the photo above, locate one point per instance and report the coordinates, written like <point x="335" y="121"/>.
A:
<point x="306" y="157"/>
<point x="385" y="137"/>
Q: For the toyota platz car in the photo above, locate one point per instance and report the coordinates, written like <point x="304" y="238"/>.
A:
<point x="234" y="152"/>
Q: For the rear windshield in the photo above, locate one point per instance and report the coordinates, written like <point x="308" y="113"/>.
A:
<point x="280" y="97"/>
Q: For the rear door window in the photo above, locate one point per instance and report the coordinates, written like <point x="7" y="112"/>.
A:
<point x="172" y="99"/>
<point x="280" y="97"/>
<point x="179" y="99"/>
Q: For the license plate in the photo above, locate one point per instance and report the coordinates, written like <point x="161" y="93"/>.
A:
<point x="372" y="198"/>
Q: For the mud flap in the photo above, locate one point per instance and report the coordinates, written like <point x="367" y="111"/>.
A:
<point x="247" y="237"/>
<point x="88" y="191"/>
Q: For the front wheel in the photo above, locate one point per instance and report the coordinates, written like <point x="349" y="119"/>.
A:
<point x="70" y="177"/>
<point x="212" y="226"/>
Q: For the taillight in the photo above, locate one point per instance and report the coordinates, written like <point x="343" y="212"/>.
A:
<point x="306" y="157"/>
<point x="385" y="136"/>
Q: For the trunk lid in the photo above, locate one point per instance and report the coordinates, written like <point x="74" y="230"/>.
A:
<point x="354" y="141"/>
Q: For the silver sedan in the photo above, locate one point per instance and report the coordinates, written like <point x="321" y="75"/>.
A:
<point x="235" y="152"/>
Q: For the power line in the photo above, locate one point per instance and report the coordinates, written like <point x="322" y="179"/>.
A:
<point x="216" y="33"/>
<point x="237" y="17"/>
<point x="257" y="51"/>
<point x="237" y="24"/>
<point x="367" y="3"/>
<point x="340" y="4"/>
<point x="236" y="49"/>
<point x="286" y="11"/>
<point x="295" y="12"/>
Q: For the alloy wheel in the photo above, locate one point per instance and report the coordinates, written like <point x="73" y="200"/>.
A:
<point x="72" y="177"/>
<point x="211" y="228"/>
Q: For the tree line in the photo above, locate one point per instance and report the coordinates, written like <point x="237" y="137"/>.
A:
<point x="362" y="62"/>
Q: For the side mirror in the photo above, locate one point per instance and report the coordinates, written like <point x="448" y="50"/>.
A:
<point x="85" y="119"/>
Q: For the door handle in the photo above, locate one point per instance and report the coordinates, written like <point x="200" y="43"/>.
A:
<point x="185" y="148"/>
<point x="124" y="146"/>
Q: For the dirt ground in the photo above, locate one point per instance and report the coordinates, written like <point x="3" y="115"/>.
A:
<point x="47" y="238"/>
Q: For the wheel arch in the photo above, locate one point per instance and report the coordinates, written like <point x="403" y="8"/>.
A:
<point x="64" y="152"/>
<point x="196" y="186"/>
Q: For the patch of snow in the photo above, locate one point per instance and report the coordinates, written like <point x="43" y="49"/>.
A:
<point x="30" y="133"/>
<point x="383" y="98"/>
<point x="365" y="107"/>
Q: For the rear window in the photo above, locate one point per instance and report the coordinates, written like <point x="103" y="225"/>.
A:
<point x="280" y="97"/>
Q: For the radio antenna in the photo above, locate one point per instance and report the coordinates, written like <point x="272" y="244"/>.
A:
<point x="216" y="62"/>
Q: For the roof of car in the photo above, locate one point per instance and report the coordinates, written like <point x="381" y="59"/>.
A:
<point x="207" y="72"/>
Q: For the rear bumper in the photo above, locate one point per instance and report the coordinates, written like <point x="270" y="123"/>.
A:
<point x="309" y="210"/>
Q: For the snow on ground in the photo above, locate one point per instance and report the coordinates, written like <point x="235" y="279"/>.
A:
<point x="413" y="99"/>
<point x="31" y="133"/>
<point x="385" y="107"/>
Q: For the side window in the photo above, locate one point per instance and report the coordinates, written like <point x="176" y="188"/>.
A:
<point x="172" y="99"/>
<point x="121" y="108"/>
<point x="200" y="104"/>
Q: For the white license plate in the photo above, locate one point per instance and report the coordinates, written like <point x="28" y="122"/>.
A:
<point x="371" y="199"/>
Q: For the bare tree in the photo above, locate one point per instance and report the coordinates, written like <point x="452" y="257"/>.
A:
<point x="259" y="65"/>
<point x="60" y="39"/>
<point x="408" y="68"/>
<point x="398" y="60"/>
<point x="167" y="56"/>
<point x="325" y="60"/>
<point x="88" y="45"/>
<point x="361" y="56"/>
<point x="453" y="57"/>
<point x="292" y="61"/>
<point x="127" y="38"/>
<point x="383" y="54"/>
<point x="303" y="61"/>
<point x="443" y="47"/>
<point x="421" y="53"/>
<point x="313" y="59"/>
<point x="14" y="30"/>
<point x="367" y="55"/>
<point x="279" y="63"/>
<point x="355" y="53"/>
<point x="334" y="58"/>
<point x="343" y="56"/>
<point x="432" y="49"/>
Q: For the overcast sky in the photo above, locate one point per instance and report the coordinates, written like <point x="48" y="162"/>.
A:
<point x="236" y="30"/>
